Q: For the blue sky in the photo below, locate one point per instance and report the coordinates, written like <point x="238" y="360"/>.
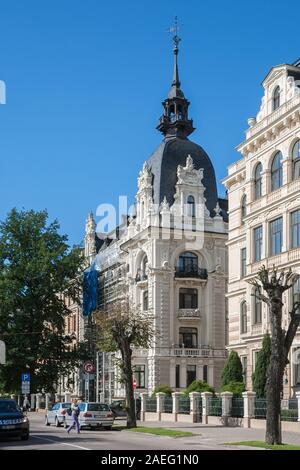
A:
<point x="85" y="81"/>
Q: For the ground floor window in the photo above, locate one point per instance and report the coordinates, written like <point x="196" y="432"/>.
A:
<point x="190" y="374"/>
<point x="177" y="376"/>
<point x="139" y="374"/>
<point x="188" y="337"/>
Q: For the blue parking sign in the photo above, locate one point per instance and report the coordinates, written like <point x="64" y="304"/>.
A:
<point x="26" y="377"/>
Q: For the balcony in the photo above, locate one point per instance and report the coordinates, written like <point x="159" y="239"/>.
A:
<point x="191" y="272"/>
<point x="141" y="279"/>
<point x="200" y="351"/>
<point x="188" y="314"/>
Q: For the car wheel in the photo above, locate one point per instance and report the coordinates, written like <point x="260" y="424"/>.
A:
<point x="46" y="421"/>
<point x="57" y="423"/>
<point x="25" y="437"/>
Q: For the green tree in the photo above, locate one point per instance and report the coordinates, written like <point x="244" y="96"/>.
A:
<point x="259" y="376"/>
<point x="122" y="326"/>
<point x="37" y="268"/>
<point x="237" y="388"/>
<point x="198" y="386"/>
<point x="233" y="369"/>
<point x="162" y="389"/>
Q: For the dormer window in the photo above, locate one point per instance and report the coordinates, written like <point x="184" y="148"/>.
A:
<point x="191" y="206"/>
<point x="276" y="98"/>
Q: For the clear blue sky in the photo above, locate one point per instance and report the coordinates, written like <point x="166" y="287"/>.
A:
<point x="85" y="81"/>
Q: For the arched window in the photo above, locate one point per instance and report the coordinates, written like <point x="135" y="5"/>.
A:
<point x="276" y="172"/>
<point x="191" y="206"/>
<point x="243" y="207"/>
<point x="296" y="160"/>
<point x="188" y="263"/>
<point x="244" y="317"/>
<point x="258" y="181"/>
<point x="276" y="98"/>
<point x="257" y="307"/>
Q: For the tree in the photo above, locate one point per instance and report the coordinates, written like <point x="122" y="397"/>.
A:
<point x="233" y="369"/>
<point x="36" y="268"/>
<point x="259" y="376"/>
<point x="162" y="389"/>
<point x="237" y="388"/>
<point x="274" y="284"/>
<point x="120" y="328"/>
<point x="198" y="386"/>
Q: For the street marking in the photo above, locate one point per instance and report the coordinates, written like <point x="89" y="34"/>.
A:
<point x="60" y="443"/>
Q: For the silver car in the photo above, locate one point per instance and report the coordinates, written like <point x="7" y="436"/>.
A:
<point x="57" y="414"/>
<point x="93" y="415"/>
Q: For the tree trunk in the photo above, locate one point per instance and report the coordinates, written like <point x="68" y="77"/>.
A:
<point x="127" y="370"/>
<point x="274" y="383"/>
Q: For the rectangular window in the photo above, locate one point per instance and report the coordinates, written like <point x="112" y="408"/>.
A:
<point x="258" y="239"/>
<point x="177" y="376"/>
<point x="276" y="236"/>
<point x="188" y="298"/>
<point x="188" y="337"/>
<point x="243" y="262"/>
<point x="145" y="301"/>
<point x="205" y="374"/>
<point x="295" y="229"/>
<point x="190" y="374"/>
<point x="139" y="374"/>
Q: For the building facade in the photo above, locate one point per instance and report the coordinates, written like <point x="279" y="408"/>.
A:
<point x="264" y="216"/>
<point x="172" y="254"/>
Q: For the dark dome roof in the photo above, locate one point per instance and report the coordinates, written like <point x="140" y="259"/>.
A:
<point x="164" y="162"/>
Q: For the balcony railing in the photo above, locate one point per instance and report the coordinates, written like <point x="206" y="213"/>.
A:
<point x="195" y="272"/>
<point x="188" y="313"/>
<point x="141" y="277"/>
<point x="199" y="351"/>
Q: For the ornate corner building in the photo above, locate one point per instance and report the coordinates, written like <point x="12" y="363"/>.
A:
<point x="264" y="215"/>
<point x="172" y="254"/>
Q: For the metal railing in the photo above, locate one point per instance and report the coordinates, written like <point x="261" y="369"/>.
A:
<point x="168" y="405"/>
<point x="151" y="405"/>
<point x="184" y="405"/>
<point x="215" y="406"/>
<point x="260" y="408"/>
<point x="289" y="410"/>
<point x="191" y="271"/>
<point x="237" y="409"/>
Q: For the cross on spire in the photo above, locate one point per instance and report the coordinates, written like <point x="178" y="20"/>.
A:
<point x="174" y="29"/>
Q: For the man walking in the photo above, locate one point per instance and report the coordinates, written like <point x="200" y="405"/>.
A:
<point x="75" y="413"/>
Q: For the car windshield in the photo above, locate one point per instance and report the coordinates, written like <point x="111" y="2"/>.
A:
<point x="66" y="405"/>
<point x="8" y="407"/>
<point x="98" y="407"/>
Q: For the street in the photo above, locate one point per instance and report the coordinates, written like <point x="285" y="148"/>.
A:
<point x="52" y="438"/>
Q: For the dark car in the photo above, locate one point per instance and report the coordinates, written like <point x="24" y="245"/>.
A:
<point x="13" y="422"/>
<point x="118" y="407"/>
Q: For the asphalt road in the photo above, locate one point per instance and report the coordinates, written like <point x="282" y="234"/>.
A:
<point x="51" y="438"/>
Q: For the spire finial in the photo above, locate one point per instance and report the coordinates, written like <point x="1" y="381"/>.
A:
<point x="176" y="40"/>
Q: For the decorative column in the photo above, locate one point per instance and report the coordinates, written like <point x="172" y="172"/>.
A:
<point x="160" y="404"/>
<point x="38" y="401"/>
<point x="144" y="396"/>
<point x="249" y="398"/>
<point x="175" y="404"/>
<point x="226" y="406"/>
<point x="298" y="398"/>
<point x="205" y="398"/>
<point x="194" y="405"/>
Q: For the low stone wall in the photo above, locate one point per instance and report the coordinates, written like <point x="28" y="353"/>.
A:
<point x="287" y="426"/>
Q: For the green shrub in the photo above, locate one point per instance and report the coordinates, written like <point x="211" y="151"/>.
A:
<point x="198" y="386"/>
<point x="162" y="389"/>
<point x="237" y="388"/>
<point x="289" y="415"/>
<point x="259" y="376"/>
<point x="233" y="369"/>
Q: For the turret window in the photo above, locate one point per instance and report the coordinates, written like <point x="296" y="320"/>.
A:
<point x="276" y="98"/>
<point x="191" y="212"/>
<point x="296" y="160"/>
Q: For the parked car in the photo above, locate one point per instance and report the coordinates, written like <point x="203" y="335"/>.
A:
<point x="57" y="414"/>
<point x="92" y="415"/>
<point x="13" y="421"/>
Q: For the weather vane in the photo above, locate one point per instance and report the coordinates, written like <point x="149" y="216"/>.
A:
<point x="174" y="30"/>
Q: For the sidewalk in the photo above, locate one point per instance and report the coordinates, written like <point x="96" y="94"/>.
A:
<point x="221" y="434"/>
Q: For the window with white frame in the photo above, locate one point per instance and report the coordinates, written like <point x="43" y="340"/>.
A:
<point x="276" y="236"/>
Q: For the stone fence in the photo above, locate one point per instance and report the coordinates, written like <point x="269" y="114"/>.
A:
<point x="222" y="409"/>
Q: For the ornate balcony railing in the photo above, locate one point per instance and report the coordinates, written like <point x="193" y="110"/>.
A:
<point x="195" y="272"/>
<point x="188" y="313"/>
<point x="199" y="351"/>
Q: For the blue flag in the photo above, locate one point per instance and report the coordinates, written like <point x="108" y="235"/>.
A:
<point x="90" y="278"/>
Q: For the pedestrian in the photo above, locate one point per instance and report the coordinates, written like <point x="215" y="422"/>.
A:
<point x="26" y="404"/>
<point x="74" y="413"/>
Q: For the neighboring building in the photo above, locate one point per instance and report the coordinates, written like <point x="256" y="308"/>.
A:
<point x="264" y="215"/>
<point x="172" y="255"/>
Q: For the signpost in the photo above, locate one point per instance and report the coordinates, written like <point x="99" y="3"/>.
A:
<point x="89" y="369"/>
<point x="25" y="380"/>
<point x="134" y="389"/>
<point x="2" y="352"/>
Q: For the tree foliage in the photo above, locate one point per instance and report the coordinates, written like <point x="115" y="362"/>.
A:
<point x="121" y="327"/>
<point x="233" y="369"/>
<point x="198" y="386"/>
<point x="259" y="376"/>
<point x="162" y="389"/>
<point x="269" y="288"/>
<point x="36" y="267"/>
<point x="237" y="388"/>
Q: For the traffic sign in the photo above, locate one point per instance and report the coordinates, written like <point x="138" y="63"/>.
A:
<point x="25" y="377"/>
<point x="89" y="367"/>
<point x="25" y="387"/>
